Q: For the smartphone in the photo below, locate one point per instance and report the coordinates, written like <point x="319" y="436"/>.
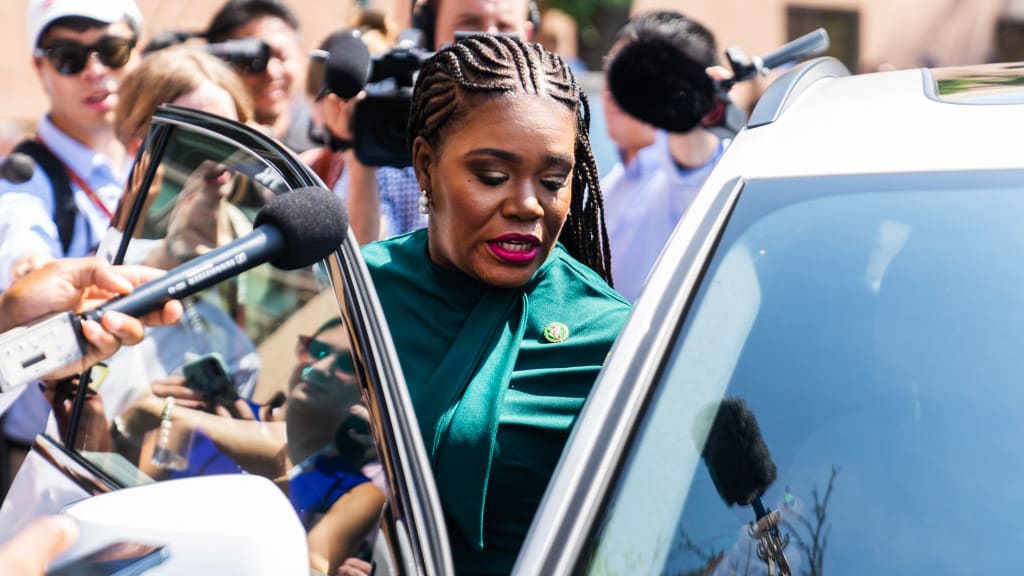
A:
<point x="117" y="559"/>
<point x="209" y="376"/>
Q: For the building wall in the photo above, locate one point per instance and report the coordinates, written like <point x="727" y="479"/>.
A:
<point x="898" y="33"/>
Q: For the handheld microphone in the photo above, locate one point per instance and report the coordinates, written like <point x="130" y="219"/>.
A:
<point x="348" y="65"/>
<point x="17" y="168"/>
<point x="742" y="470"/>
<point x="293" y="230"/>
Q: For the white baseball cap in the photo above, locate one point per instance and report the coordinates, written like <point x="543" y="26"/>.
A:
<point x="43" y="12"/>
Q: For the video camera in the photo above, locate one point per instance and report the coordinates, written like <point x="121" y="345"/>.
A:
<point x="247" y="55"/>
<point x="381" y="118"/>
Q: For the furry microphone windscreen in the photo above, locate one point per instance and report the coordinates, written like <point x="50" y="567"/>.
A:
<point x="736" y="454"/>
<point x="312" y="221"/>
<point x="348" y="64"/>
<point x="655" y="82"/>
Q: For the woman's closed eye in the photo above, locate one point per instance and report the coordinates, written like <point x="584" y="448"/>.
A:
<point x="555" y="183"/>
<point x="490" y="178"/>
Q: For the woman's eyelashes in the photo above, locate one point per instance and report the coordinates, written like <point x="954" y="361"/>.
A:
<point x="554" y="184"/>
<point x="551" y="183"/>
<point x="492" y="178"/>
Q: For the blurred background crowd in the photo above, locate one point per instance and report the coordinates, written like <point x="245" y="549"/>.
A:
<point x="866" y="34"/>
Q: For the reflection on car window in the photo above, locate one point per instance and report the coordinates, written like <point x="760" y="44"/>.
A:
<point x="873" y="336"/>
<point x="257" y="377"/>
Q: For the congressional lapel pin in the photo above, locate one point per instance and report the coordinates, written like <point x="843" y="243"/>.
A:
<point x="556" y="332"/>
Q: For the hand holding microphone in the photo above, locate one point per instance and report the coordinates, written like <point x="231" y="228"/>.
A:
<point x="292" y="231"/>
<point x="78" y="284"/>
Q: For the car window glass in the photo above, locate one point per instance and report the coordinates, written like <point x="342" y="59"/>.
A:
<point x="256" y="378"/>
<point x="872" y="336"/>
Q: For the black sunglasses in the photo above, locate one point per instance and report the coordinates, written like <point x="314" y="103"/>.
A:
<point x="318" y="350"/>
<point x="69" y="57"/>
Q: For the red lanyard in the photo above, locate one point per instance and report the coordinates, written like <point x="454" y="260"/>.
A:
<point x="80" y="182"/>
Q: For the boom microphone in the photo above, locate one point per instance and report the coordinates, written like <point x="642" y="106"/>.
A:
<point x="17" y="168"/>
<point x="654" y="81"/>
<point x="742" y="470"/>
<point x="292" y="231"/>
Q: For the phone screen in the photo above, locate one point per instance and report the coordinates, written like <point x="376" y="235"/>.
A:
<point x="117" y="559"/>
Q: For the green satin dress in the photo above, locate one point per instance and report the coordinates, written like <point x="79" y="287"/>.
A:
<point x="497" y="378"/>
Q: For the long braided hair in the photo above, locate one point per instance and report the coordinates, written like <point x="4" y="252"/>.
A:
<point x="489" y="64"/>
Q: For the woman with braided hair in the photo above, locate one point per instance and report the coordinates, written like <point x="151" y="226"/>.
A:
<point x="501" y="309"/>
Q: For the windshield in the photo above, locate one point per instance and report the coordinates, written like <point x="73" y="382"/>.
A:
<point x="871" y="326"/>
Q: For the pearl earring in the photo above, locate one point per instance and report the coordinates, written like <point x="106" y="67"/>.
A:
<point x="424" y="203"/>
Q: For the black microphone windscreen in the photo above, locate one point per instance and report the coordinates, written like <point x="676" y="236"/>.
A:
<point x="348" y="64"/>
<point x="655" y="82"/>
<point x="736" y="454"/>
<point x="17" y="168"/>
<point x="312" y="221"/>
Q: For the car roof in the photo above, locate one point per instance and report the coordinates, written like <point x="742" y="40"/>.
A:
<point x="886" y="122"/>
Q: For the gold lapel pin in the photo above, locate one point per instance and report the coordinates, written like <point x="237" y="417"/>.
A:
<point x="556" y="332"/>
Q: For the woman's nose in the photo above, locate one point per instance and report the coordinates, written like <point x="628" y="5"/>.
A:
<point x="523" y="203"/>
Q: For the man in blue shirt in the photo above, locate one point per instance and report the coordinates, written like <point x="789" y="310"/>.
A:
<point x="646" y="195"/>
<point x="81" y="50"/>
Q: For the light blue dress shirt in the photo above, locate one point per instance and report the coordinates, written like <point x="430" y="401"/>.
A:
<point x="643" y="202"/>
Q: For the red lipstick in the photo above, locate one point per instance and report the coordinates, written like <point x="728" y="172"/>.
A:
<point x="515" y="248"/>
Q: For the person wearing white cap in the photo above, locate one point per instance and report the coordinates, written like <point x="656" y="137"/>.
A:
<point x="80" y="51"/>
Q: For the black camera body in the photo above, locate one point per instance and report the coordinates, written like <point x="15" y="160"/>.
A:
<point x="380" y="121"/>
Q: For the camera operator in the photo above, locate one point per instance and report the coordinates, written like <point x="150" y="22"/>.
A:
<point x="272" y="86"/>
<point x="331" y="112"/>
<point x="385" y="201"/>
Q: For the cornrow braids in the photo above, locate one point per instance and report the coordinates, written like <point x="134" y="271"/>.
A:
<point x="491" y="65"/>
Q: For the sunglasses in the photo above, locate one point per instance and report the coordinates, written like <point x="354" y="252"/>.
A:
<point x="69" y="58"/>
<point x="315" y="350"/>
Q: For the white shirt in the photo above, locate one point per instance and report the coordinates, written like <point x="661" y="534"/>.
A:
<point x="26" y="210"/>
<point x="643" y="202"/>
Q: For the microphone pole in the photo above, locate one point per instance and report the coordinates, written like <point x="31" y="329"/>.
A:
<point x="741" y="468"/>
<point x="745" y="68"/>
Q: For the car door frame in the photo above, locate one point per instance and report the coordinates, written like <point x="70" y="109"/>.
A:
<point x="412" y="523"/>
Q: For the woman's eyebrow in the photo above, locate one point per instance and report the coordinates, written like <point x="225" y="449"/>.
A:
<point x="550" y="159"/>
<point x="559" y="159"/>
<point x="497" y="153"/>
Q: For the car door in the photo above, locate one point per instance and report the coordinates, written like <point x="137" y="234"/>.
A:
<point x="286" y="374"/>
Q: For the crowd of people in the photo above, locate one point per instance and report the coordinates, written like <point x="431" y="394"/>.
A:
<point x="508" y="262"/>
